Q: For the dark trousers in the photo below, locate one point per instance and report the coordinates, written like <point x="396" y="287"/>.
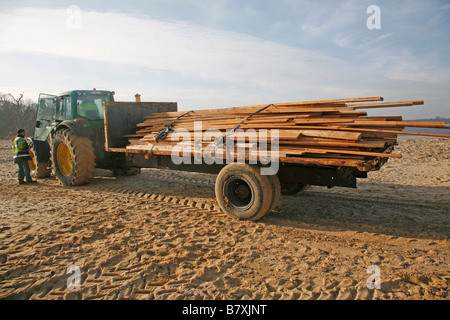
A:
<point x="24" y="170"/>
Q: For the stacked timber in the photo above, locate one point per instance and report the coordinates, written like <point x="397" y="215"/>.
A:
<point x="310" y="130"/>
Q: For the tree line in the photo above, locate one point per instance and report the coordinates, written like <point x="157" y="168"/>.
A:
<point x="16" y="113"/>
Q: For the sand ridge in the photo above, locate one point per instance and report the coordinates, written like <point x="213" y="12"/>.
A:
<point x="161" y="235"/>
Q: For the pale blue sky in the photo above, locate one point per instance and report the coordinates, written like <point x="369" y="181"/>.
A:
<point x="221" y="53"/>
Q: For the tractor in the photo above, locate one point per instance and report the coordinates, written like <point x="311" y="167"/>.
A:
<point x="69" y="138"/>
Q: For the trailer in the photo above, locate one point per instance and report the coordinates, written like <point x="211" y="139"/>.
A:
<point x="241" y="190"/>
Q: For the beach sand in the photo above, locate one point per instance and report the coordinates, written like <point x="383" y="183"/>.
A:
<point x="161" y="235"/>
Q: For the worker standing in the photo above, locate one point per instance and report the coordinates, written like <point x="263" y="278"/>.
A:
<point x="22" y="156"/>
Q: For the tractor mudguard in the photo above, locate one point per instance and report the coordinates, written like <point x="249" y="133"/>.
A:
<point x="42" y="150"/>
<point x="76" y="128"/>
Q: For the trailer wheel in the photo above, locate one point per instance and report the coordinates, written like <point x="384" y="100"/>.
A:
<point x="291" y="188"/>
<point x="242" y="192"/>
<point x="73" y="158"/>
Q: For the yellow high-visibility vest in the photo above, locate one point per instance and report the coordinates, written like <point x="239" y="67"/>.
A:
<point x="20" y="145"/>
<point x="20" y="149"/>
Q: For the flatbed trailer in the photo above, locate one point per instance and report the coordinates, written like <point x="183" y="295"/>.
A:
<point x="241" y="190"/>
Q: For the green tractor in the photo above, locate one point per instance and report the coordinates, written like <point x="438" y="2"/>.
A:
<point x="69" y="138"/>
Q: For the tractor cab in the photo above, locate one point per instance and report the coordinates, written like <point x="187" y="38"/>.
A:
<point x="78" y="109"/>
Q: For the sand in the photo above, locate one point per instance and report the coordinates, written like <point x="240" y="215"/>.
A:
<point x="161" y="235"/>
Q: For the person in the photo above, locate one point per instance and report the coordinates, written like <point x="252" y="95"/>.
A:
<point x="88" y="109"/>
<point x="22" y="156"/>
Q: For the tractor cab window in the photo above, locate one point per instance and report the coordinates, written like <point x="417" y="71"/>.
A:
<point x="67" y="114"/>
<point x="91" y="106"/>
<point x="47" y="108"/>
<point x="59" y="109"/>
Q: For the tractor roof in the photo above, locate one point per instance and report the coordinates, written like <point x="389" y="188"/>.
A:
<point x="85" y="91"/>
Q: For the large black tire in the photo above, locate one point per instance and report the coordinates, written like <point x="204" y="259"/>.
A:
<point x="39" y="168"/>
<point x="73" y="158"/>
<point x="243" y="193"/>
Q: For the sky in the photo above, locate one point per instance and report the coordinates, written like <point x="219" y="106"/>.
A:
<point x="224" y="53"/>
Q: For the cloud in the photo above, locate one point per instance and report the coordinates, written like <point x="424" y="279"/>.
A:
<point x="176" y="46"/>
<point x="227" y="66"/>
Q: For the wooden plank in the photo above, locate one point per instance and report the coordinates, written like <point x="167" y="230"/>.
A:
<point x="376" y="130"/>
<point x="420" y="124"/>
<point x="322" y="121"/>
<point x="368" y="145"/>
<point x="320" y="102"/>
<point x="386" y="104"/>
<point x="354" y="152"/>
<point x="341" y="135"/>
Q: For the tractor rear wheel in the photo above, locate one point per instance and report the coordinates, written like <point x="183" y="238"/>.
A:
<point x="73" y="158"/>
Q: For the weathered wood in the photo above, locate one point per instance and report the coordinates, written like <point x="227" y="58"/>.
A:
<point x="320" y="132"/>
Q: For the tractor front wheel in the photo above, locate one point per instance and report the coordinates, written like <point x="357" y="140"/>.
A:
<point x="39" y="168"/>
<point x="73" y="158"/>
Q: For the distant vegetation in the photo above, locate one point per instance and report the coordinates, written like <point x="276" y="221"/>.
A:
<point x="16" y="113"/>
<point x="446" y="120"/>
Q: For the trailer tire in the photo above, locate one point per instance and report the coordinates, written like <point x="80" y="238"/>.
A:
<point x="73" y="158"/>
<point x="243" y="193"/>
<point x="276" y="195"/>
<point x="276" y="189"/>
